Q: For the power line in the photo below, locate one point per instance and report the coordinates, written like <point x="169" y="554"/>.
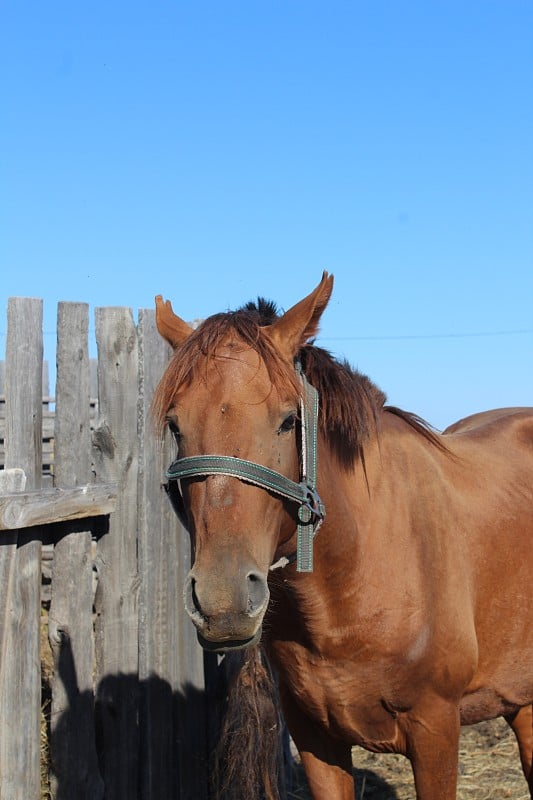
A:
<point x="394" y="337"/>
<point x="398" y="337"/>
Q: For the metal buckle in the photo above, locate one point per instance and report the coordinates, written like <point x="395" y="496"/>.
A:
<point x="312" y="507"/>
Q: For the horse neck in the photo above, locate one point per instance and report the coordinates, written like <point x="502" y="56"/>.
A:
<point x="370" y="503"/>
<point x="300" y="597"/>
<point x="362" y="542"/>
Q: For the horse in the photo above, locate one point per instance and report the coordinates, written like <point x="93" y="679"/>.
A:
<point x="385" y="569"/>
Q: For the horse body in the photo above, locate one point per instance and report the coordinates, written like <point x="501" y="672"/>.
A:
<point x="419" y="614"/>
<point x="417" y="617"/>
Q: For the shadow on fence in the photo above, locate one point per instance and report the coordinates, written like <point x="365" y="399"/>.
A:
<point x="179" y="739"/>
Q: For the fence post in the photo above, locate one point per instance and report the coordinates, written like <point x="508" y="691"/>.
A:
<point x="20" y="562"/>
<point x="173" y="711"/>
<point x="158" y="590"/>
<point x="70" y="627"/>
<point x="116" y="454"/>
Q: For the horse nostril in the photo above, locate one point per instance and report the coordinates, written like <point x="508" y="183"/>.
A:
<point x="257" y="593"/>
<point x="194" y="596"/>
<point x="192" y="601"/>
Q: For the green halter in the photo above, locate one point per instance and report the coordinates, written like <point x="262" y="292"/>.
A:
<point x="311" y="511"/>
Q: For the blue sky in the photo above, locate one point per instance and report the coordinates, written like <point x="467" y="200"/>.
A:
<point x="214" y="151"/>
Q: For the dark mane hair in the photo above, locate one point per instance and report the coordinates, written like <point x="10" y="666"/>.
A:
<point x="265" y="311"/>
<point x="351" y="405"/>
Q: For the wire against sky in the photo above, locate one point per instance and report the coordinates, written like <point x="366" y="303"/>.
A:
<point x="397" y="337"/>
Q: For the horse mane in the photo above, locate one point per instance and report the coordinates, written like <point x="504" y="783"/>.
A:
<point x="351" y="405"/>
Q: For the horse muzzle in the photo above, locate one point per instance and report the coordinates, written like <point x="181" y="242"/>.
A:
<point x="227" y="611"/>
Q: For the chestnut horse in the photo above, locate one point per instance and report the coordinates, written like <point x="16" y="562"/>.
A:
<point x="415" y="614"/>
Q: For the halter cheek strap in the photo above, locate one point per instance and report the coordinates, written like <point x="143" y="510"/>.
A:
<point x="311" y="510"/>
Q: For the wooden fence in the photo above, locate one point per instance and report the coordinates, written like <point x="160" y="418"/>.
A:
<point x="131" y="713"/>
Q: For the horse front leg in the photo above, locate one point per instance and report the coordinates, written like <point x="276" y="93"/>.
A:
<point x="522" y="724"/>
<point x="326" y="761"/>
<point x="432" y="735"/>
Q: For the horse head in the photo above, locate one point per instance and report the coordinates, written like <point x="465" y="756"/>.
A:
<point x="231" y="391"/>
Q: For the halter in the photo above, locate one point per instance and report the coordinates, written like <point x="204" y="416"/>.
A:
<point x="311" y="510"/>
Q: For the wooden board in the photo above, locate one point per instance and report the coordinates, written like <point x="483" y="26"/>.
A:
<point x="116" y="456"/>
<point x="173" y="721"/>
<point x="47" y="506"/>
<point x="20" y="561"/>
<point x="75" y="771"/>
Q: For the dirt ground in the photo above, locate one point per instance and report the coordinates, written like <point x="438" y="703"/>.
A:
<point x="489" y="769"/>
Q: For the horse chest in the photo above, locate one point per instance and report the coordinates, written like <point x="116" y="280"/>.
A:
<point x="344" y="699"/>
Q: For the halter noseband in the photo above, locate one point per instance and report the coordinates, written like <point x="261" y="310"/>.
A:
<point x="311" y="511"/>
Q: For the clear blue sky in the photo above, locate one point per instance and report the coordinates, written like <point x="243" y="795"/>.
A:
<point x="214" y="151"/>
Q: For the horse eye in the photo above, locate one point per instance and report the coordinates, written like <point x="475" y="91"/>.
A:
<point x="288" y="424"/>
<point x="175" y="431"/>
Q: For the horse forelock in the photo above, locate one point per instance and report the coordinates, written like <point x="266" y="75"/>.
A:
<point x="232" y="330"/>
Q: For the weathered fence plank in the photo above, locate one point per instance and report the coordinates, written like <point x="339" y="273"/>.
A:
<point x="157" y="668"/>
<point x="116" y="456"/>
<point x="74" y="772"/>
<point x="47" y="422"/>
<point x="173" y="721"/>
<point x="20" y="561"/>
<point x="47" y="506"/>
<point x="12" y="481"/>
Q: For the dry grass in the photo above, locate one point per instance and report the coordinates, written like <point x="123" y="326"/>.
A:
<point x="489" y="769"/>
<point x="47" y="668"/>
<point x="45" y="752"/>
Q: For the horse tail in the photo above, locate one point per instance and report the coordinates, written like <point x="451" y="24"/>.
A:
<point x="249" y="754"/>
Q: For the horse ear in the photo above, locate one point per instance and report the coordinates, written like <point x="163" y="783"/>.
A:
<point x="171" y="327"/>
<point x="300" y="322"/>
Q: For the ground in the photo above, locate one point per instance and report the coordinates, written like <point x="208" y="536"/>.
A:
<point x="489" y="769"/>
